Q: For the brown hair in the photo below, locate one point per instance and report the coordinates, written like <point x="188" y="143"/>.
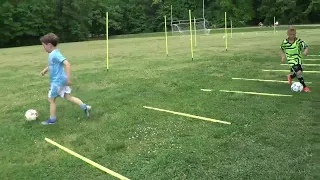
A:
<point x="291" y="29"/>
<point x="50" y="38"/>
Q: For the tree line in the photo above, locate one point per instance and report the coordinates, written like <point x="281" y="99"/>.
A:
<point x="23" y="22"/>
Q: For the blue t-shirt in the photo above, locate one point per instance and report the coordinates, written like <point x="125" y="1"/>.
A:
<point x="56" y="68"/>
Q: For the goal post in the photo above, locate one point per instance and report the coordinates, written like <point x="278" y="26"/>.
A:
<point x="182" y="27"/>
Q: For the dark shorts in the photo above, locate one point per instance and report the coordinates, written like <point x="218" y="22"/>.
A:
<point x="296" y="68"/>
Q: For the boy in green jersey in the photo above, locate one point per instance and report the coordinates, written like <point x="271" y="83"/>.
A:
<point x="292" y="50"/>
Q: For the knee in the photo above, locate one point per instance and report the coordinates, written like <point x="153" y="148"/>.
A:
<point x="51" y="100"/>
<point x="299" y="74"/>
<point x="67" y="96"/>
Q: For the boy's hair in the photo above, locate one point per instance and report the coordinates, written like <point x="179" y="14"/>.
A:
<point x="50" y="38"/>
<point x="291" y="29"/>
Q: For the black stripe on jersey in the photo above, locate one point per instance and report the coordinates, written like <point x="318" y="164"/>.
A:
<point x="293" y="55"/>
<point x="288" y="45"/>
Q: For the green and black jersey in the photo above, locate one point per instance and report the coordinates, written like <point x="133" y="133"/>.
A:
<point x="293" y="51"/>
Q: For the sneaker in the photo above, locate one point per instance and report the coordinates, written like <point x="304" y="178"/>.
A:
<point x="289" y="79"/>
<point x="86" y="111"/>
<point x="50" y="121"/>
<point x="306" y="89"/>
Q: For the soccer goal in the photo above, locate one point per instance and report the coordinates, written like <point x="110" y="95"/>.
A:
<point x="182" y="27"/>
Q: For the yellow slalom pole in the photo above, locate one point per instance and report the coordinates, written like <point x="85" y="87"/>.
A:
<point x="107" y="39"/>
<point x="191" y="35"/>
<point x="274" y="25"/>
<point x="195" y="32"/>
<point x="188" y="115"/>
<point x="225" y="29"/>
<point x="166" y="34"/>
<point x="231" y="27"/>
<point x="96" y="165"/>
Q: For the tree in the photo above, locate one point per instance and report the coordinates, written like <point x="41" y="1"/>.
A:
<point x="24" y="22"/>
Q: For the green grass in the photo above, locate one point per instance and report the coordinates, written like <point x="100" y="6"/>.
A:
<point x="269" y="138"/>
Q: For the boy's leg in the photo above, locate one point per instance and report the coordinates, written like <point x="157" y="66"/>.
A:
<point x="299" y="70"/>
<point x="73" y="99"/>
<point x="291" y="76"/>
<point x="52" y="108"/>
<point x="52" y="100"/>
<point x="77" y="101"/>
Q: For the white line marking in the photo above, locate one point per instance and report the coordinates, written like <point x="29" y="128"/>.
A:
<point x="302" y="65"/>
<point x="288" y="71"/>
<point x="255" y="93"/>
<point x="263" y="80"/>
<point x="206" y="89"/>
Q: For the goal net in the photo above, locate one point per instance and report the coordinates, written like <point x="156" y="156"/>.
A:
<point x="182" y="27"/>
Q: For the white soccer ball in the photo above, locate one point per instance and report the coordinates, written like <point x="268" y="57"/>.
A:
<point x="31" y="115"/>
<point x="296" y="87"/>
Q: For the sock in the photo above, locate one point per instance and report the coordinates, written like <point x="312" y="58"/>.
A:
<point x="53" y="118"/>
<point x="83" y="106"/>
<point x="302" y="82"/>
<point x="293" y="76"/>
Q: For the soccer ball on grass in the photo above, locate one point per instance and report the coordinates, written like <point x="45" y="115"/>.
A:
<point x="31" y="115"/>
<point x="296" y="87"/>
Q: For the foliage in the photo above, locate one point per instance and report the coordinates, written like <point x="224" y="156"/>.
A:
<point x="23" y="22"/>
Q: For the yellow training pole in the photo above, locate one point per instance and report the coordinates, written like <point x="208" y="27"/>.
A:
<point x="191" y="35"/>
<point x="274" y="25"/>
<point x="231" y="27"/>
<point x="96" y="165"/>
<point x="195" y="32"/>
<point x="225" y="29"/>
<point x="165" y="30"/>
<point x="107" y="38"/>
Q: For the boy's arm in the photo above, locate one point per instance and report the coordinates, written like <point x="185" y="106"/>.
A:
<point x="283" y="54"/>
<point x="306" y="50"/>
<point x="67" y="67"/>
<point x="305" y="47"/>
<point x="44" y="71"/>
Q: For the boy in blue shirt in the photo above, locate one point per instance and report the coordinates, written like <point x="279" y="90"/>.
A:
<point x="60" y="77"/>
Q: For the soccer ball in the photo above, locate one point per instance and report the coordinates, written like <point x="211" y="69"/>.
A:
<point x="296" y="87"/>
<point x="31" y="115"/>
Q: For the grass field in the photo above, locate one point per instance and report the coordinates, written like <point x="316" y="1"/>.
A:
<point x="268" y="138"/>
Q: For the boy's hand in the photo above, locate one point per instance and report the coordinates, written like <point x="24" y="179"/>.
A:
<point x="283" y="56"/>
<point x="305" y="53"/>
<point x="43" y="72"/>
<point x="68" y="82"/>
